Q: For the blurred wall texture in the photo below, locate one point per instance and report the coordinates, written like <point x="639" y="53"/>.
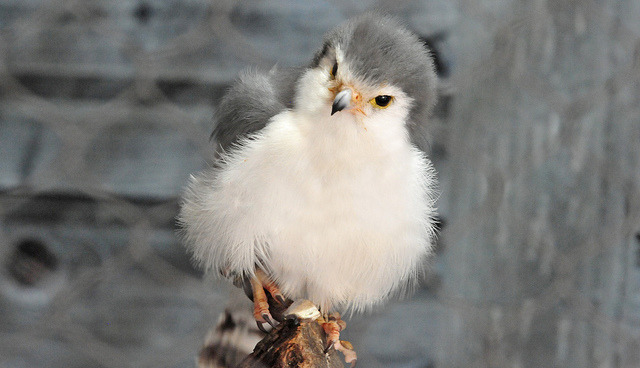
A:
<point x="106" y="109"/>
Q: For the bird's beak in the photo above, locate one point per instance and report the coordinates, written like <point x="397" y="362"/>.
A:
<point x="342" y="100"/>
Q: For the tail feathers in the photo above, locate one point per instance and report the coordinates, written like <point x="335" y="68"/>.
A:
<point x="230" y="341"/>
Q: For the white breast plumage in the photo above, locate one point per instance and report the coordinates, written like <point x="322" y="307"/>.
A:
<point x="351" y="204"/>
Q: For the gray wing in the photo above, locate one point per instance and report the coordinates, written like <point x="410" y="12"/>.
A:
<point x="248" y="107"/>
<point x="251" y="102"/>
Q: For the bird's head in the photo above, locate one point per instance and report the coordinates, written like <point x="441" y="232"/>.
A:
<point x="369" y="68"/>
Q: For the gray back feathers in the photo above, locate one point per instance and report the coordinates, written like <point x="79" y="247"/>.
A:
<point x="249" y="104"/>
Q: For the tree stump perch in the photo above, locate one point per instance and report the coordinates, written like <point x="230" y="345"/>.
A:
<point x="298" y="341"/>
<point x="293" y="344"/>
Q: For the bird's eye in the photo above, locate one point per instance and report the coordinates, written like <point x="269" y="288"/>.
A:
<point x="334" y="70"/>
<point x="382" y="101"/>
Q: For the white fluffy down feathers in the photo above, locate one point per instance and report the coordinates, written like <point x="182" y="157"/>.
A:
<point x="336" y="209"/>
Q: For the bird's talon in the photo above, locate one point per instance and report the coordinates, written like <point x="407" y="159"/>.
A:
<point x="353" y="363"/>
<point x="260" y="327"/>
<point x="280" y="298"/>
<point x="329" y="346"/>
<point x="268" y="319"/>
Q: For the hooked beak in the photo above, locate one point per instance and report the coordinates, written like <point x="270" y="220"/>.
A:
<point x="342" y="100"/>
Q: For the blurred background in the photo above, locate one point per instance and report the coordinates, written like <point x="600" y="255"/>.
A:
<point x="106" y="109"/>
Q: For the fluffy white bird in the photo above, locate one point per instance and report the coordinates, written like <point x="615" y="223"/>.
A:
<point x="319" y="189"/>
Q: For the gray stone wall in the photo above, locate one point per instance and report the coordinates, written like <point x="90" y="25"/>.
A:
<point x="105" y="111"/>
<point x="545" y="190"/>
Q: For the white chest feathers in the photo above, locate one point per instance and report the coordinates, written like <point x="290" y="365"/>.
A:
<point x="338" y="214"/>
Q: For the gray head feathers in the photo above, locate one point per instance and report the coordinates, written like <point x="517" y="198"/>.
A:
<point x="384" y="51"/>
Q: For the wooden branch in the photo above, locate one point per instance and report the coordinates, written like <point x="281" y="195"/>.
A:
<point x="298" y="341"/>
<point x="294" y="343"/>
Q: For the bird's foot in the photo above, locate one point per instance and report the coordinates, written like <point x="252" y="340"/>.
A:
<point x="332" y="325"/>
<point x="259" y="283"/>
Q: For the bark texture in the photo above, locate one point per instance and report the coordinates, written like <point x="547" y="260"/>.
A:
<point x="293" y="345"/>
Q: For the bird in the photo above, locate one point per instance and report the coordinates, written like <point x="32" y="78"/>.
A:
<point x="320" y="187"/>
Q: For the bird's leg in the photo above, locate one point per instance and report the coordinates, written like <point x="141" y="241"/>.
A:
<point x="270" y="286"/>
<point x="332" y="325"/>
<point x="260" y="304"/>
<point x="259" y="282"/>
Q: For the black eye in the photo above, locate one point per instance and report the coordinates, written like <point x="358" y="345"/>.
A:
<point x="334" y="70"/>
<point x="382" y="101"/>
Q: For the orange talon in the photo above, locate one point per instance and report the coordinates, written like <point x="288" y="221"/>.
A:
<point x="260" y="304"/>
<point x="332" y="329"/>
<point x="332" y="325"/>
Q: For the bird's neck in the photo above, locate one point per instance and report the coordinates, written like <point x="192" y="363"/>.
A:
<point x="348" y="139"/>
